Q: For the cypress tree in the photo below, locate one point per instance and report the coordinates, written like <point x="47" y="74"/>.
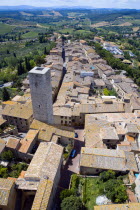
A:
<point x="5" y="94"/>
<point x="27" y="64"/>
<point x="20" y="68"/>
<point x="45" y="51"/>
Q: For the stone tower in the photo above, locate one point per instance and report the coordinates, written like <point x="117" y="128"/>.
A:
<point x="41" y="94"/>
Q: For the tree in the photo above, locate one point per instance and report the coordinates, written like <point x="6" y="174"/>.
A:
<point x="14" y="54"/>
<point x="32" y="63"/>
<point x="7" y="155"/>
<point x="121" y="194"/>
<point x="39" y="59"/>
<point x="17" y="168"/>
<point x="115" y="190"/>
<point x="14" y="174"/>
<point x="113" y="93"/>
<point x="3" y="172"/>
<point x="27" y="64"/>
<point x="20" y="69"/>
<point x="5" y="94"/>
<point x="11" y="61"/>
<point x="127" y="55"/>
<point x="45" y="51"/>
<point x="8" y="52"/>
<point x="106" y="92"/>
<point x="66" y="193"/>
<point x="107" y="175"/>
<point x="71" y="202"/>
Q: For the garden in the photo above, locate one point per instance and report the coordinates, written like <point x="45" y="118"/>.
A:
<point x="85" y="190"/>
<point x="13" y="168"/>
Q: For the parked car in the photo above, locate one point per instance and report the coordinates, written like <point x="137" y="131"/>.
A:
<point x="73" y="153"/>
<point x="76" y="135"/>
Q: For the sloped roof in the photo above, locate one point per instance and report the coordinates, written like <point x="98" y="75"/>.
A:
<point x="5" y="188"/>
<point x="18" y="110"/>
<point x="46" y="131"/>
<point x="43" y="194"/>
<point x="26" y="142"/>
<point x="108" y="159"/>
<point x="45" y="162"/>
<point x="126" y="206"/>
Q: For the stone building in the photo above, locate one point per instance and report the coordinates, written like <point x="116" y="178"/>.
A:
<point x="19" y="115"/>
<point x="41" y="94"/>
<point x="7" y="194"/>
<point x="95" y="160"/>
<point x="42" y="175"/>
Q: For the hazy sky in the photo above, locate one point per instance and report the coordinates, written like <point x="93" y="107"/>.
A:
<point x="93" y="3"/>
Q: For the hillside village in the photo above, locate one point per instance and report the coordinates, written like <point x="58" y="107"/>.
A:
<point x="74" y="102"/>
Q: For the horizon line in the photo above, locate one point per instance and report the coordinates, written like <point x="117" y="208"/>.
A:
<point x="64" y="6"/>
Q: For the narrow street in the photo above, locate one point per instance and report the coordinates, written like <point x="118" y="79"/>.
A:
<point x="71" y="167"/>
<point x="73" y="163"/>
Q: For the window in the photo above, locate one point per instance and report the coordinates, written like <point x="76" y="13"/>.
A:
<point x="61" y="121"/>
<point x="61" y="116"/>
<point x="65" y="117"/>
<point x="65" y="122"/>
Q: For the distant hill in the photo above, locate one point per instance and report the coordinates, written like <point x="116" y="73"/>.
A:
<point x="17" y="8"/>
<point x="28" y="7"/>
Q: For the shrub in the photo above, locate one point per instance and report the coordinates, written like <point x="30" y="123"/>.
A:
<point x="74" y="181"/>
<point x="133" y="187"/>
<point x="66" y="155"/>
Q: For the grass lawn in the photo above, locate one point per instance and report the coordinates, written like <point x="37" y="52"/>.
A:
<point x="4" y="28"/>
<point x="90" y="191"/>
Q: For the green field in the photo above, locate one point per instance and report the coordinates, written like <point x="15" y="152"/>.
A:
<point x="82" y="31"/>
<point x="20" y="49"/>
<point x="66" y="30"/>
<point x="135" y="22"/>
<point x="75" y="14"/>
<point x="43" y="25"/>
<point x="31" y="34"/>
<point x="127" y="17"/>
<point x="112" y="32"/>
<point x="4" y="28"/>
